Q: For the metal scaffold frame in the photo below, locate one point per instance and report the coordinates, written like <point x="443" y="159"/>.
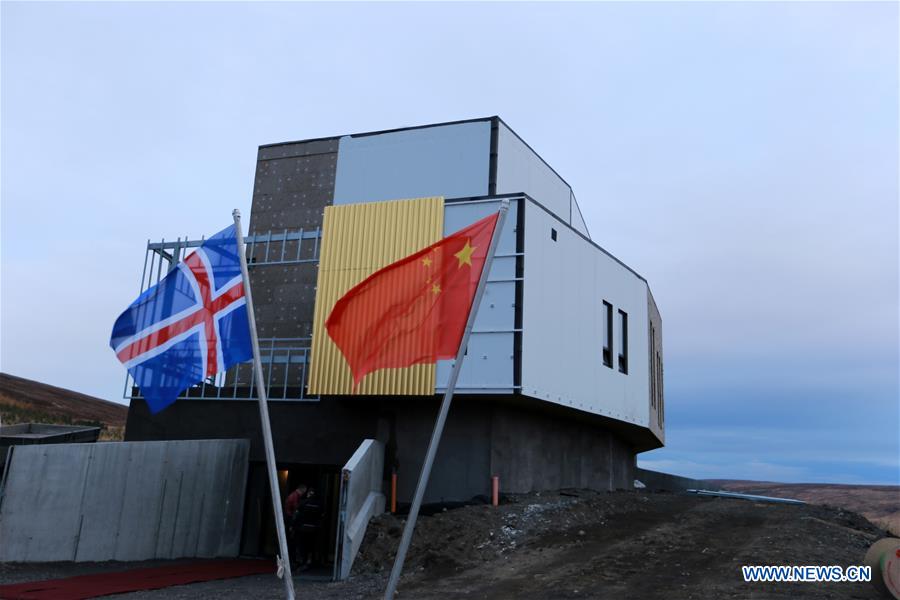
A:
<point x="285" y="360"/>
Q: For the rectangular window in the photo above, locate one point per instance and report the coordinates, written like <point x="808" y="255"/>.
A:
<point x="660" y="399"/>
<point x="608" y="334"/>
<point x="552" y="234"/>
<point x="652" y="367"/>
<point x="623" y="335"/>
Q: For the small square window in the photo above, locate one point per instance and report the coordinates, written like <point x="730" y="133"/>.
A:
<point x="552" y="234"/>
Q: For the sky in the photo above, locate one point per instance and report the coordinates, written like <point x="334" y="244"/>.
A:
<point x="743" y="157"/>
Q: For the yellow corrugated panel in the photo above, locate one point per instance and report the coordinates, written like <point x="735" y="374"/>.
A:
<point x="357" y="240"/>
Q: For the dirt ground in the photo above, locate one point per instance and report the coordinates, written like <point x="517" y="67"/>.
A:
<point x="577" y="544"/>
<point x="621" y="545"/>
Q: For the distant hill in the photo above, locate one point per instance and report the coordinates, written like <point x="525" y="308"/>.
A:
<point x="26" y="401"/>
<point x="878" y="503"/>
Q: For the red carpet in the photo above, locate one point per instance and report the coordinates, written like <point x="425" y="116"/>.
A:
<point x="119" y="582"/>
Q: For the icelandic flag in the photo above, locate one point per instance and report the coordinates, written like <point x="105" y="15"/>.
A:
<point x="191" y="325"/>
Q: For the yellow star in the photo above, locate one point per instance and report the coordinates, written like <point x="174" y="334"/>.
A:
<point x="435" y="289"/>
<point x="465" y="255"/>
<point x="426" y="261"/>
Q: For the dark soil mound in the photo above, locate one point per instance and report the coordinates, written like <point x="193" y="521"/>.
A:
<point x="619" y="545"/>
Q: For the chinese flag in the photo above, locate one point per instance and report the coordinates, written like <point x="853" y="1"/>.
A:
<point x="414" y="310"/>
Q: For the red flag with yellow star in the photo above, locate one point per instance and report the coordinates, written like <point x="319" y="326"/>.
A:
<point x="414" y="310"/>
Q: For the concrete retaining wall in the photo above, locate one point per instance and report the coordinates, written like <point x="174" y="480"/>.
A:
<point x="123" y="501"/>
<point x="361" y="499"/>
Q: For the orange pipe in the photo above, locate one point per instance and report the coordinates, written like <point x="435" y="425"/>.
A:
<point x="393" y="493"/>
<point x="495" y="490"/>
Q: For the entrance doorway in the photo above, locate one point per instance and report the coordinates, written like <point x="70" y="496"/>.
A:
<point x="259" y="536"/>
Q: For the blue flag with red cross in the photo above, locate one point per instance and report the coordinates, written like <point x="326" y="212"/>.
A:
<point x="191" y="325"/>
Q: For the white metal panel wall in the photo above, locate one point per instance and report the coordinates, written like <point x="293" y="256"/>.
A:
<point x="488" y="367"/>
<point x="452" y="161"/>
<point x="578" y="219"/>
<point x="565" y="284"/>
<point x="520" y="169"/>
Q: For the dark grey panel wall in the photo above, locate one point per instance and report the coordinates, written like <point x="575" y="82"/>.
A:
<point x="325" y="433"/>
<point x="294" y="183"/>
<point x="284" y="299"/>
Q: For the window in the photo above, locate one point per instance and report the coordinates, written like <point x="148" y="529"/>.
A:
<point x="656" y="390"/>
<point x="608" y="335"/>
<point x="660" y="399"/>
<point x="623" y="335"/>
<point x="552" y="234"/>
<point x="653" y="368"/>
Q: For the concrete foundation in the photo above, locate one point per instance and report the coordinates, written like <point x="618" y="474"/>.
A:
<point x="527" y="447"/>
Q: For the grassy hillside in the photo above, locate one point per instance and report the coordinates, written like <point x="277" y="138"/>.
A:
<point x="26" y="401"/>
<point x="878" y="503"/>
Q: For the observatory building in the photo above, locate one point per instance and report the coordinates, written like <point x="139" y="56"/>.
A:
<point x="562" y="384"/>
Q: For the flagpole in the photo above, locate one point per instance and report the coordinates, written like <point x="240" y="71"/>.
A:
<point x="442" y="414"/>
<point x="284" y="561"/>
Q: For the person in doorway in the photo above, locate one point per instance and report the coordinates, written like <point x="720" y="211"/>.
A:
<point x="307" y="523"/>
<point x="291" y="509"/>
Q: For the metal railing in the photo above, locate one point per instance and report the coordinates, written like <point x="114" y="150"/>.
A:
<point x="284" y="360"/>
<point x="282" y="248"/>
<point x="285" y="369"/>
<point x="287" y="246"/>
